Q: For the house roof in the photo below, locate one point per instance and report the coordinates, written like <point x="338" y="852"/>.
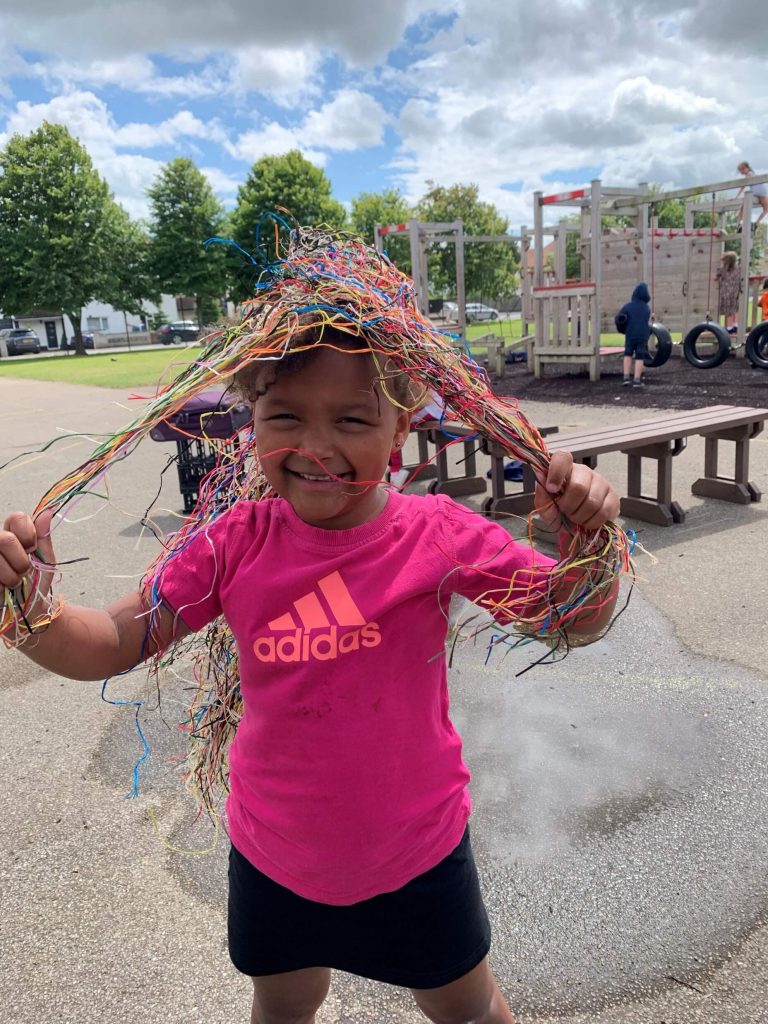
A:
<point x="530" y="256"/>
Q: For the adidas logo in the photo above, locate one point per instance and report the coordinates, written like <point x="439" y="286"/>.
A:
<point x="317" y="631"/>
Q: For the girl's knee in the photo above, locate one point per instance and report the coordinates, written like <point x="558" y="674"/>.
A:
<point x="473" y="999"/>
<point x="290" y="998"/>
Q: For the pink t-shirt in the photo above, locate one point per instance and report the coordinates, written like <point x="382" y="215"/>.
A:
<point x="346" y="772"/>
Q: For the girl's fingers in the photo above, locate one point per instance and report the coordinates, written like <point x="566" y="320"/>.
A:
<point x="585" y="497"/>
<point x="43" y="532"/>
<point x="560" y="468"/>
<point x="17" y="539"/>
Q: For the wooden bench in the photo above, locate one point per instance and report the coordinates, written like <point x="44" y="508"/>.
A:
<point x="661" y="438"/>
<point x="442" y="436"/>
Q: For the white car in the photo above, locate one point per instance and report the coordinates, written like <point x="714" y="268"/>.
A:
<point x="477" y="311"/>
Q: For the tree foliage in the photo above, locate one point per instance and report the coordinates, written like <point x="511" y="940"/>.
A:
<point x="132" y="280"/>
<point x="185" y="213"/>
<point x="490" y="269"/>
<point x="288" y="182"/>
<point x="57" y="227"/>
<point x="386" y="207"/>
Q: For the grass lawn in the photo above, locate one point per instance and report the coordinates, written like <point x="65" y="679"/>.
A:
<point x="111" y="370"/>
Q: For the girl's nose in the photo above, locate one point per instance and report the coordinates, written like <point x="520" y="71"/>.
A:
<point x="318" y="442"/>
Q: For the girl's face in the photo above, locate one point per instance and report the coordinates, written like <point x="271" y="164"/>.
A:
<point x="324" y="435"/>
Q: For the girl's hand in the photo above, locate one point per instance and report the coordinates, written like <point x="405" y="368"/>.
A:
<point x="19" y="538"/>
<point x="577" y="492"/>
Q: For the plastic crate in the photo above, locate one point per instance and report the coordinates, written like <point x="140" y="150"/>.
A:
<point x="202" y="429"/>
<point x="209" y="414"/>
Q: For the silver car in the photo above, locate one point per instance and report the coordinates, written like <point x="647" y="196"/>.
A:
<point x="477" y="311"/>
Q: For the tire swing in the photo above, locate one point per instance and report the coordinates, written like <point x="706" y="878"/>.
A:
<point x="709" y="359"/>
<point x="663" y="339"/>
<point x="757" y="346"/>
<point x="663" y="348"/>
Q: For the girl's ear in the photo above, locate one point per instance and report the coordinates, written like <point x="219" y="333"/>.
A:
<point x="402" y="428"/>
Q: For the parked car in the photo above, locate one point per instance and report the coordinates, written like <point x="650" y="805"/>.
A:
<point x="477" y="311"/>
<point x="179" y="330"/>
<point x="20" y="340"/>
<point x="87" y="342"/>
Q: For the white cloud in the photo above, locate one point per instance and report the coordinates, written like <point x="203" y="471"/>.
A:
<point x="351" y="120"/>
<point x="181" y="125"/>
<point x="645" y="101"/>
<point x="134" y="73"/>
<point x="287" y="75"/>
<point x="272" y="140"/>
<point x="221" y="183"/>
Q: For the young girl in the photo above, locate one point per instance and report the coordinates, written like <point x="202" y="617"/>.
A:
<point x="348" y="799"/>
<point x="729" y="279"/>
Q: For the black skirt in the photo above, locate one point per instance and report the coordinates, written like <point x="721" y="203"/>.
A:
<point x="430" y="932"/>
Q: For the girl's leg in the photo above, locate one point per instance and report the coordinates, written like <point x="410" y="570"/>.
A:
<point x="290" y="998"/>
<point x="763" y="200"/>
<point x="473" y="999"/>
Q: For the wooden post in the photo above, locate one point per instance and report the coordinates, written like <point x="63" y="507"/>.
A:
<point x="460" y="293"/>
<point x="594" y="363"/>
<point x="642" y="233"/>
<point x="560" y="237"/>
<point x="413" y="241"/>
<point x="525" y="279"/>
<point x="746" y="252"/>
<point x="538" y="240"/>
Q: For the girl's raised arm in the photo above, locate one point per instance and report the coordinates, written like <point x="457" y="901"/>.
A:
<point x="81" y="643"/>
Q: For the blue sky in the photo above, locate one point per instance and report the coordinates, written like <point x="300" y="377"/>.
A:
<point x="512" y="96"/>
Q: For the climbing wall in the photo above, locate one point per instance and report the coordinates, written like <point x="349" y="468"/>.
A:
<point x="683" y="265"/>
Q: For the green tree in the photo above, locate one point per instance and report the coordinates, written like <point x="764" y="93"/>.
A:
<point x="289" y="183"/>
<point x="387" y="207"/>
<point x="57" y="217"/>
<point x="132" y="281"/>
<point x="185" y="213"/>
<point x="490" y="268"/>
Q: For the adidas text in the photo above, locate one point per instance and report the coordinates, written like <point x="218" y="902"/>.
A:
<point x="301" y="645"/>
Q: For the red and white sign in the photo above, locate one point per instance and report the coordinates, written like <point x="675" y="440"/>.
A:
<point x="562" y="197"/>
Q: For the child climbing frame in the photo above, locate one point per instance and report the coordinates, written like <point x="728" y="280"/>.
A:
<point x="615" y="260"/>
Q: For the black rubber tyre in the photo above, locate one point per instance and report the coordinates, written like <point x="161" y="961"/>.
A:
<point x="712" y="359"/>
<point x="757" y="346"/>
<point x="663" y="346"/>
<point x="177" y="338"/>
<point x="494" y="316"/>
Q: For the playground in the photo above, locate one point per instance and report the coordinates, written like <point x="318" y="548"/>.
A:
<point x="675" y="385"/>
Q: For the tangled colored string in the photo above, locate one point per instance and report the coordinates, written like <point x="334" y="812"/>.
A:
<point x="328" y="279"/>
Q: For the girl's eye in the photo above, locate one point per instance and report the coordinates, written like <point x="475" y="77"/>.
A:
<point x="353" y="419"/>
<point x="282" y="416"/>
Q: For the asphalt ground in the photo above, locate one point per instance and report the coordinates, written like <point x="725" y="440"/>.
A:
<point x="620" y="795"/>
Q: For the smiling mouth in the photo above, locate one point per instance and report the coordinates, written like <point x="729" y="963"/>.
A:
<point x="324" y="478"/>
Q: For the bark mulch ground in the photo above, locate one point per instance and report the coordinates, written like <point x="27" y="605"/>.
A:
<point x="676" y="385"/>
